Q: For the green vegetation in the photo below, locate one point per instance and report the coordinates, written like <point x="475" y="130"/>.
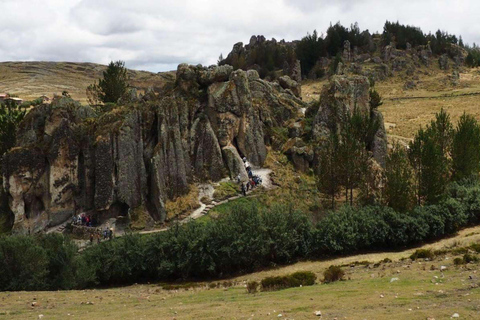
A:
<point x="403" y="34"/>
<point x="297" y="279"/>
<point x="332" y="274"/>
<point x="243" y="240"/>
<point x="112" y="87"/>
<point x="226" y="190"/>
<point x="10" y="117"/>
<point x="252" y="286"/>
<point x="473" y="57"/>
<point x="423" y="254"/>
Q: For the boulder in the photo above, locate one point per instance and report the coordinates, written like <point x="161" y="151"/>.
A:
<point x="234" y="163"/>
<point x="287" y="83"/>
<point x="443" y="62"/>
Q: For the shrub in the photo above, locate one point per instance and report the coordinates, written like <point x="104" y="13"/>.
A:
<point x="458" y="261"/>
<point x="468" y="257"/>
<point x="252" y="286"/>
<point x="301" y="278"/>
<point x="332" y="274"/>
<point x="226" y="190"/>
<point x="423" y="254"/>
<point x="387" y="260"/>
<point x="475" y="247"/>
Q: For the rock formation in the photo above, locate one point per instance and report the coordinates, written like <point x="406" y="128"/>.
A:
<point x="340" y="98"/>
<point x="72" y="159"/>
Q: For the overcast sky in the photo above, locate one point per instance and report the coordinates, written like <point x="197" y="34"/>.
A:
<point x="157" y="35"/>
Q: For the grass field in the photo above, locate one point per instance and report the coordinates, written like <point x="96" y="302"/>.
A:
<point x="367" y="293"/>
<point x="29" y="80"/>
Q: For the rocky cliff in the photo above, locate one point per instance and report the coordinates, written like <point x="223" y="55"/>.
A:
<point x="73" y="159"/>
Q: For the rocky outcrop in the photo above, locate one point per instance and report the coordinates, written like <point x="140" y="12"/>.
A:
<point x="341" y="98"/>
<point x="71" y="159"/>
<point x="443" y="62"/>
<point x="287" y="83"/>
<point x="347" y="52"/>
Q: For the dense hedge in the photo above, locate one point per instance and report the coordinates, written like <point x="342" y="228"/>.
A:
<point x="243" y="240"/>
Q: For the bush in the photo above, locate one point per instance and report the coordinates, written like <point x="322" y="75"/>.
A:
<point x="332" y="274"/>
<point x="458" y="261"/>
<point x="468" y="257"/>
<point x="226" y="190"/>
<point x="423" y="254"/>
<point x="252" y="286"/>
<point x="301" y="278"/>
<point x="475" y="247"/>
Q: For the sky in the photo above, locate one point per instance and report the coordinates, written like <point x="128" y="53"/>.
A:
<point x="157" y="35"/>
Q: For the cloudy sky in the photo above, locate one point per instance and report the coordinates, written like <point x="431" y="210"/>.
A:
<point x="157" y="35"/>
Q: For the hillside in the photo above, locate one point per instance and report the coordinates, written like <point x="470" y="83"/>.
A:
<point x="421" y="292"/>
<point x="406" y="110"/>
<point x="29" y="80"/>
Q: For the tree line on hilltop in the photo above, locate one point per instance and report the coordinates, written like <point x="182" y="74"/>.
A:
<point x="269" y="56"/>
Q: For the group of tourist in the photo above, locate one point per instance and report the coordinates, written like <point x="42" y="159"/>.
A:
<point x="253" y="180"/>
<point x="82" y="220"/>
<point x="106" y="233"/>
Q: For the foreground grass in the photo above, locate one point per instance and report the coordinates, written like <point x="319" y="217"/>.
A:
<point x="368" y="293"/>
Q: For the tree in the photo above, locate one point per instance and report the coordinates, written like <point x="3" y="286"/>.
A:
<point x="328" y="170"/>
<point x="113" y="85"/>
<point x="10" y="117"/>
<point x="466" y="148"/>
<point x="399" y="193"/>
<point x="353" y="152"/>
<point x="429" y="156"/>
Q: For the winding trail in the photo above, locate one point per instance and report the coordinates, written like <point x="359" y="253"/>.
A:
<point x="207" y="190"/>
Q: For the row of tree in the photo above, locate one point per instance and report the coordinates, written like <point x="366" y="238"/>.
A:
<point x="403" y="34"/>
<point x="415" y="175"/>
<point x="249" y="238"/>
<point x="437" y="155"/>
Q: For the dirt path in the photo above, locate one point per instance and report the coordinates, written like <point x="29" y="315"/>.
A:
<point x="207" y="190"/>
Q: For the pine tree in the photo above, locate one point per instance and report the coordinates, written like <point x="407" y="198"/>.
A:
<point x="328" y="170"/>
<point x="466" y="148"/>
<point x="429" y="156"/>
<point x="114" y="83"/>
<point x="399" y="193"/>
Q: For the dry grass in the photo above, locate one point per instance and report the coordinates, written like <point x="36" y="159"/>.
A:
<point x="183" y="205"/>
<point x="405" y="111"/>
<point x="368" y="292"/>
<point x="29" y="80"/>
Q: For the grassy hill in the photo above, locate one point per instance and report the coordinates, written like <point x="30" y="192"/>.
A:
<point x="406" y="110"/>
<point x="29" y="80"/>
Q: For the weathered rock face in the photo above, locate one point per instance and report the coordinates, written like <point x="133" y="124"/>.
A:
<point x="71" y="159"/>
<point x="339" y="99"/>
<point x="443" y="62"/>
<point x="347" y="52"/>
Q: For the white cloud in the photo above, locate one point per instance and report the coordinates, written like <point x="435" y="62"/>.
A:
<point x="158" y="35"/>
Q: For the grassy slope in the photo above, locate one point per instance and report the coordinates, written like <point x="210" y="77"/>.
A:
<point x="406" y="110"/>
<point x="419" y="293"/>
<point x="29" y="80"/>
